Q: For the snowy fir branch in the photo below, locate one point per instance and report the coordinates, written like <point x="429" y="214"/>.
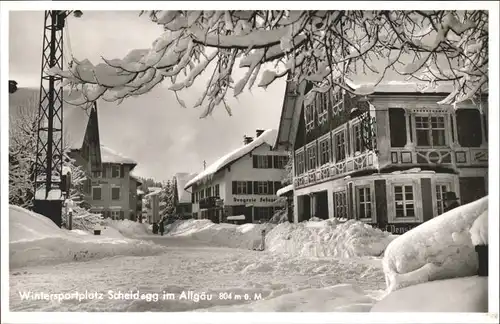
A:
<point x="329" y="49"/>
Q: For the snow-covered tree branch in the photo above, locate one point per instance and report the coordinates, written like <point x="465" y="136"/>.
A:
<point x="327" y="48"/>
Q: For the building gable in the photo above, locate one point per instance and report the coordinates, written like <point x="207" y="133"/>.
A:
<point x="92" y="140"/>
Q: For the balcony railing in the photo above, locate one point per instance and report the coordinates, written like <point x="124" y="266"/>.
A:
<point x="330" y="171"/>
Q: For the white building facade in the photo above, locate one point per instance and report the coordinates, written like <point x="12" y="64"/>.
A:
<point x="389" y="164"/>
<point x="243" y="182"/>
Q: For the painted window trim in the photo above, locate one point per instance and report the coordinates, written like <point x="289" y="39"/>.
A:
<point x="343" y="129"/>
<point x="413" y="120"/>
<point x="417" y="198"/>
<point x="371" y="185"/>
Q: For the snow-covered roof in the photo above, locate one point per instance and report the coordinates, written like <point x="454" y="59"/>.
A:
<point x="110" y="156"/>
<point x="181" y="179"/>
<point x="75" y="121"/>
<point x="284" y="190"/>
<point x="401" y="87"/>
<point x="153" y="191"/>
<point x="268" y="137"/>
<point x="136" y="178"/>
<point x="140" y="192"/>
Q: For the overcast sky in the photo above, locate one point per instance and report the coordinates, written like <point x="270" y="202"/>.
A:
<point x="153" y="129"/>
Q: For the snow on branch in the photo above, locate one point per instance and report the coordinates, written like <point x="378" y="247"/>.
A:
<point x="326" y="48"/>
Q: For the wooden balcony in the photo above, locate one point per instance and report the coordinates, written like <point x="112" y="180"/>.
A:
<point x="331" y="171"/>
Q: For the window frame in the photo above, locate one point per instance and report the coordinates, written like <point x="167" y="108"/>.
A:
<point x="262" y="188"/>
<point x="113" y="211"/>
<point x="336" y="135"/>
<point x="263" y="162"/>
<point x="345" y="207"/>
<point x="113" y="166"/>
<point x="239" y="186"/>
<point x="371" y="187"/>
<point x="430" y="129"/>
<point x="439" y="202"/>
<point x="322" y="101"/>
<point x="300" y="162"/>
<point x="309" y="112"/>
<point x="322" y="153"/>
<point x="92" y="192"/>
<point x="119" y="192"/>
<point x="357" y="140"/>
<point x="312" y="147"/>
<point x="417" y="201"/>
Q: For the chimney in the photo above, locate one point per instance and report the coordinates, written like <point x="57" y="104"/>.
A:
<point x="247" y="139"/>
<point x="259" y="132"/>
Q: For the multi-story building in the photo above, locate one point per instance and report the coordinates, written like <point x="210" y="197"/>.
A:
<point x="243" y="182"/>
<point x="183" y="204"/>
<point x="110" y="186"/>
<point x="386" y="158"/>
<point x="153" y="199"/>
<point x="135" y="198"/>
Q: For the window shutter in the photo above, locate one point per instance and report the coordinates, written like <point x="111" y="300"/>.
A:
<point x="275" y="161"/>
<point x="103" y="171"/>
<point x="469" y="127"/>
<point x="192" y="198"/>
<point x="270" y="189"/>
<point x="397" y="124"/>
<point x="277" y="186"/>
<point x="254" y="161"/>
<point x="270" y="161"/>
<point x="234" y="188"/>
<point x="122" y="171"/>
<point x="256" y="187"/>
<point x="249" y="187"/>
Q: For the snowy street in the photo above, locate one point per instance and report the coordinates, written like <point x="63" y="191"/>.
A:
<point x="191" y="265"/>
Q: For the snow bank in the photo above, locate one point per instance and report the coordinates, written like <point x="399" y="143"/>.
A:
<point x="479" y="230"/>
<point x="128" y="228"/>
<point x="465" y="295"/>
<point x="328" y="238"/>
<point x="339" y="298"/>
<point x="246" y="236"/>
<point x="35" y="239"/>
<point x="440" y="248"/>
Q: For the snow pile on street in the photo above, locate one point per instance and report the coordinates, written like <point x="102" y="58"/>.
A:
<point x="128" y="228"/>
<point x="246" y="236"/>
<point x="338" y="298"/>
<point x="440" y="248"/>
<point x="464" y="295"/>
<point x="268" y="137"/>
<point x="35" y="239"/>
<point x="479" y="230"/>
<point x="328" y="238"/>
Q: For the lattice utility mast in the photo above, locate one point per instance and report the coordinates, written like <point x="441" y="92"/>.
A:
<point x="49" y="148"/>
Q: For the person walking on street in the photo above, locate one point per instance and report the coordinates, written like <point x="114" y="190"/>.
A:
<point x="450" y="200"/>
<point x="162" y="226"/>
<point x="155" y="228"/>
